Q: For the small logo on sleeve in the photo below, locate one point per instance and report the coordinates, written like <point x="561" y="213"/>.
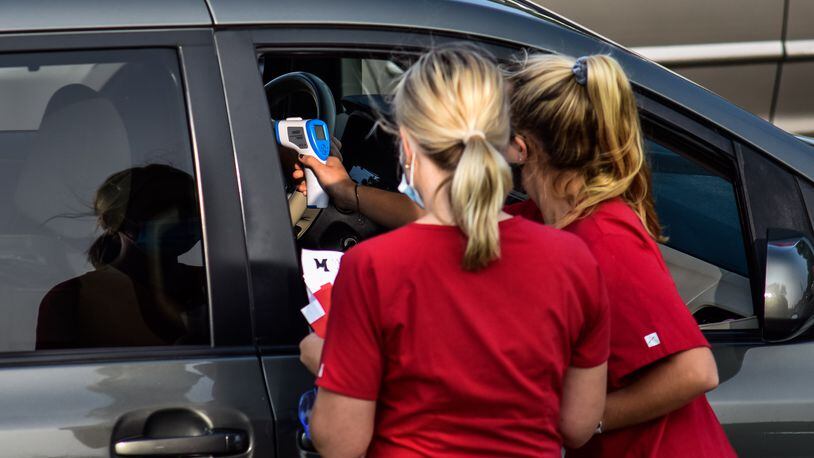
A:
<point x="652" y="340"/>
<point x="321" y="370"/>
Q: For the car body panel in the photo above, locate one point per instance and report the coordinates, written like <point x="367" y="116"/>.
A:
<point x="766" y="405"/>
<point x="73" y="410"/>
<point x="41" y="15"/>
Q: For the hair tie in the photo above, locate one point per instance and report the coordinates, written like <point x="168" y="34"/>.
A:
<point x="473" y="133"/>
<point x="580" y="70"/>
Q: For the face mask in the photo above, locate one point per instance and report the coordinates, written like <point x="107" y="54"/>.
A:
<point x="406" y="187"/>
<point x="169" y="238"/>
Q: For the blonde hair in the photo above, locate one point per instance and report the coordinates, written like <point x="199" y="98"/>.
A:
<point x="590" y="129"/>
<point x="452" y="103"/>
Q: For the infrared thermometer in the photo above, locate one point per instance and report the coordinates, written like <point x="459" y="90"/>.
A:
<point x="308" y="137"/>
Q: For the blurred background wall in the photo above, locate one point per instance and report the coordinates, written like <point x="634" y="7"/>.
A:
<point x="757" y="53"/>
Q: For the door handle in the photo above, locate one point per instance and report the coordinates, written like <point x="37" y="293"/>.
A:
<point x="215" y="443"/>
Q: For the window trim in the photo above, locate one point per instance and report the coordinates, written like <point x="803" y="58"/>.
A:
<point x="209" y="136"/>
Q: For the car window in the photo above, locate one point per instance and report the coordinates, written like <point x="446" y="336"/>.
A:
<point x="100" y="227"/>
<point x="697" y="209"/>
<point x="362" y="76"/>
<point x="704" y="247"/>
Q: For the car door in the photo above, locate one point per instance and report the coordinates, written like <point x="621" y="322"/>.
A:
<point x="363" y="60"/>
<point x="124" y="290"/>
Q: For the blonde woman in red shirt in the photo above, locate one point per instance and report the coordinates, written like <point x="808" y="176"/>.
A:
<point x="580" y="144"/>
<point x="468" y="332"/>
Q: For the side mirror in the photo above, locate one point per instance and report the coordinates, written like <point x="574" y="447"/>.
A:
<point x="788" y="298"/>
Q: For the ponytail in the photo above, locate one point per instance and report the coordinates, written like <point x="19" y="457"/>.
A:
<point x="452" y="103"/>
<point x="584" y="114"/>
<point x="104" y="250"/>
<point x="479" y="187"/>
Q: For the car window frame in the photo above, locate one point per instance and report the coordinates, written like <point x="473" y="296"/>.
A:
<point x="705" y="145"/>
<point x="277" y="286"/>
<point x="216" y="183"/>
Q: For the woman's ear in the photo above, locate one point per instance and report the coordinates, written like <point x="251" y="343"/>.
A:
<point x="517" y="152"/>
<point x="406" y="148"/>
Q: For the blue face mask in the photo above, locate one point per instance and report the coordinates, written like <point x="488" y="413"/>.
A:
<point x="407" y="188"/>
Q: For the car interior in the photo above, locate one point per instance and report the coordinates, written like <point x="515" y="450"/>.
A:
<point x="713" y="284"/>
<point x="349" y="92"/>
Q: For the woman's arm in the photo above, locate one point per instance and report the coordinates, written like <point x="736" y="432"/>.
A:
<point x="583" y="401"/>
<point x="666" y="386"/>
<point x="390" y="209"/>
<point x="341" y="426"/>
<point x="311" y="352"/>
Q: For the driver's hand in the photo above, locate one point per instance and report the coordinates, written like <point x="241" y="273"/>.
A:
<point x="332" y="176"/>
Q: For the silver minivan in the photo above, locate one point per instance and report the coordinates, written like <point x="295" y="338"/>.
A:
<point x="149" y="278"/>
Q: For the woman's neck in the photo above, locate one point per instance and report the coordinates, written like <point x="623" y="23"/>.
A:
<point x="553" y="208"/>
<point x="438" y="209"/>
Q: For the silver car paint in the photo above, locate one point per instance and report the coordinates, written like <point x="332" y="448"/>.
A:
<point x="33" y="15"/>
<point x="72" y="410"/>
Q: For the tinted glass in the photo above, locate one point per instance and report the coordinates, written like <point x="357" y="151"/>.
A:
<point x="698" y="210"/>
<point x="100" y="228"/>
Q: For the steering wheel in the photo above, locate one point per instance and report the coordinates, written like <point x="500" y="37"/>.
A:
<point x="310" y="85"/>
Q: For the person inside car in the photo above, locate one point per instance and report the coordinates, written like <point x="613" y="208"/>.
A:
<point x="138" y="293"/>
<point x="583" y="165"/>
<point x="436" y="346"/>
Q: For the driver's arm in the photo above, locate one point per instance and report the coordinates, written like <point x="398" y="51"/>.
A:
<point x="390" y="209"/>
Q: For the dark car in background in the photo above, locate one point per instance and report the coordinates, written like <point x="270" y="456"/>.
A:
<point x="149" y="124"/>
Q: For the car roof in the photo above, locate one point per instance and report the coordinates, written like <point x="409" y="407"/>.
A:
<point x="55" y="15"/>
<point x="515" y="21"/>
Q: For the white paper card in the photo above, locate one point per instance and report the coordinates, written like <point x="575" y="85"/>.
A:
<point x="313" y="311"/>
<point x="319" y="267"/>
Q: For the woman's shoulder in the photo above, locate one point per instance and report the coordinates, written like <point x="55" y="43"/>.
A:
<point x="527" y="209"/>
<point x="546" y="242"/>
<point x="538" y="233"/>
<point x="611" y="219"/>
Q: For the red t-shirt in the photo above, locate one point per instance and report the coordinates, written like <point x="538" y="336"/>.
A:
<point x="649" y="322"/>
<point x="464" y="363"/>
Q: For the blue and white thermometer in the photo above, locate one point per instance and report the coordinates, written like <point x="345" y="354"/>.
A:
<point x="307" y="137"/>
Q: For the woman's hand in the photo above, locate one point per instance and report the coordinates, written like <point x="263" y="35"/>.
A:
<point x="311" y="352"/>
<point x="332" y="176"/>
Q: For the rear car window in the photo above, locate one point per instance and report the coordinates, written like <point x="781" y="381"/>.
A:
<point x="100" y="230"/>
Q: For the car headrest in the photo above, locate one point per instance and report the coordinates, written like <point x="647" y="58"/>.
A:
<point x="81" y="141"/>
